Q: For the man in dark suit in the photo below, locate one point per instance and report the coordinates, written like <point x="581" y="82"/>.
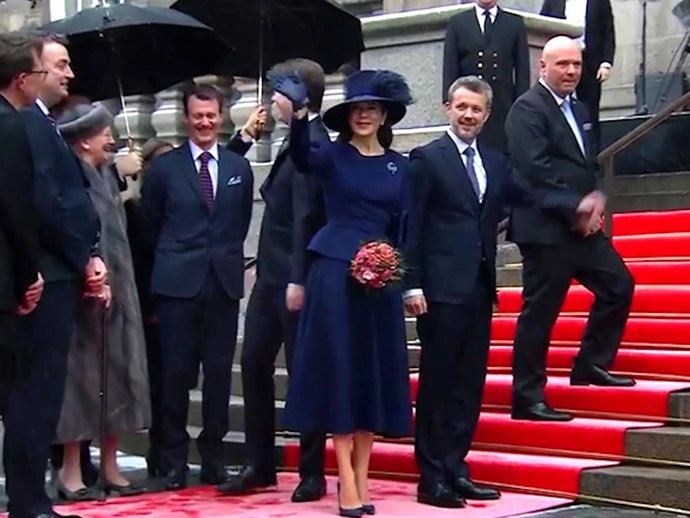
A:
<point x="488" y="42"/>
<point x="293" y="212"/>
<point x="559" y="235"/>
<point x="72" y="268"/>
<point x="598" y="44"/>
<point x="459" y="192"/>
<point x="20" y="282"/>
<point x="197" y="201"/>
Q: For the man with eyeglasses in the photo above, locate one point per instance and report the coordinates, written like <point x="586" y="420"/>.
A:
<point x="20" y="282"/>
<point x="70" y="263"/>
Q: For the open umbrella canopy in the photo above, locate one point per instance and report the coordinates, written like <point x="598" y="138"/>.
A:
<point x="266" y="32"/>
<point x="128" y="50"/>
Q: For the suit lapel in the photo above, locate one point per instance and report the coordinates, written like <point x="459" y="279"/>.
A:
<point x="560" y="117"/>
<point x="490" y="163"/>
<point x="283" y="153"/>
<point x="224" y="174"/>
<point x="473" y="29"/>
<point x="190" y="173"/>
<point x="456" y="168"/>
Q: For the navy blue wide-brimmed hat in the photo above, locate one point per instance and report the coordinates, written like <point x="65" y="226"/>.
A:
<point x="382" y="86"/>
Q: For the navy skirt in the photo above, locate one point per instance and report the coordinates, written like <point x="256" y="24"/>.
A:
<point x="349" y="368"/>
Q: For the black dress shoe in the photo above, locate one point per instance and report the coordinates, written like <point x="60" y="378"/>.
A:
<point x="594" y="375"/>
<point x="176" y="480"/>
<point x="309" y="489"/>
<point x="471" y="491"/>
<point x="539" y="412"/>
<point x="213" y="474"/>
<point x="248" y="480"/>
<point x="439" y="495"/>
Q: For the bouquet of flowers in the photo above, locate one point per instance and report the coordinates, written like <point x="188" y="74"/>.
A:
<point x="377" y="264"/>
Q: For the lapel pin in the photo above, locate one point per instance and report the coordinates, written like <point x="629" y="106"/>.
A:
<point x="392" y="168"/>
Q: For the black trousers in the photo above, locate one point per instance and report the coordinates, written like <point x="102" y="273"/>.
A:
<point x="153" y="358"/>
<point x="452" y="372"/>
<point x="202" y="328"/>
<point x="268" y="326"/>
<point x="34" y="404"/>
<point x="547" y="273"/>
<point x="589" y="92"/>
<point x="11" y="354"/>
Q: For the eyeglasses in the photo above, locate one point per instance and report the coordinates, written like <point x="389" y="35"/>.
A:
<point x="42" y="72"/>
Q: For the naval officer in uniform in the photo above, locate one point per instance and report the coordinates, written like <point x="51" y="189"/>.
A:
<point x="489" y="43"/>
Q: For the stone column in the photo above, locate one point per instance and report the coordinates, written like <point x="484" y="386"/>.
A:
<point x="166" y="119"/>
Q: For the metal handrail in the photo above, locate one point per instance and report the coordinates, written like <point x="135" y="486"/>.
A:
<point x="607" y="156"/>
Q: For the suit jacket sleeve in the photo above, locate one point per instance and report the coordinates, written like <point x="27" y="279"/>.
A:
<point x="527" y="130"/>
<point x="17" y="213"/>
<point x="59" y="236"/>
<point x="237" y="145"/>
<point x="451" y="59"/>
<point x="309" y="157"/>
<point x="419" y="189"/>
<point x="608" y="39"/>
<point x="521" y="58"/>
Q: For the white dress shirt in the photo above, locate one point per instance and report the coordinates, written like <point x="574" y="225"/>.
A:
<point x="479" y="170"/>
<point x="481" y="181"/>
<point x="212" y="164"/>
<point x="568" y="114"/>
<point x="479" y="11"/>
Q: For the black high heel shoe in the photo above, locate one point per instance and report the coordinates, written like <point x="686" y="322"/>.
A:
<point x="357" y="512"/>
<point x="368" y="509"/>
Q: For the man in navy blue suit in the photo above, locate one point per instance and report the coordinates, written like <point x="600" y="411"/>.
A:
<point x="197" y="201"/>
<point x="459" y="192"/>
<point x="71" y="266"/>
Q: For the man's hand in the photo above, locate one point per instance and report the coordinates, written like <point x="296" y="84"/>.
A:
<point x="603" y="73"/>
<point x="95" y="276"/>
<point x="255" y="124"/>
<point x="416" y="305"/>
<point x="590" y="213"/>
<point x="31" y="297"/>
<point x="129" y="164"/>
<point x="294" y="297"/>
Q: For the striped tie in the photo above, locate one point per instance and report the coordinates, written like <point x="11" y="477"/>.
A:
<point x="205" y="179"/>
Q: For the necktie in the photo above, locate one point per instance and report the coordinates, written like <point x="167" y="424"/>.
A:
<point x="205" y="178"/>
<point x="567" y="109"/>
<point x="54" y="124"/>
<point x="469" y="153"/>
<point x="487" y="26"/>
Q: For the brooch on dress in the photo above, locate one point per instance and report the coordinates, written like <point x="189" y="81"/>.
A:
<point x="392" y="168"/>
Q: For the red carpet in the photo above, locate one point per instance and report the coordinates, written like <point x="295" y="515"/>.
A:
<point x="532" y="456"/>
<point x="392" y="499"/>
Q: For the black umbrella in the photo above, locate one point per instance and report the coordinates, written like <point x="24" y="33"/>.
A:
<point x="128" y="50"/>
<point x="266" y="32"/>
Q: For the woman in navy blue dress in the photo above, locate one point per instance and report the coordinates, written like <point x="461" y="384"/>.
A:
<point x="350" y="374"/>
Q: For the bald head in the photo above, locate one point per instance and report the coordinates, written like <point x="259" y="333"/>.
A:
<point x="561" y="64"/>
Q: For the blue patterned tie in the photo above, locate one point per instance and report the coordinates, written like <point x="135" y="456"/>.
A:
<point x="205" y="179"/>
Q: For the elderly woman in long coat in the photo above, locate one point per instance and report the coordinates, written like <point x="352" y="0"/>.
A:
<point x="86" y="127"/>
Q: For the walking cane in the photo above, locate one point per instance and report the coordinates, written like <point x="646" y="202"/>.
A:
<point x="103" y="396"/>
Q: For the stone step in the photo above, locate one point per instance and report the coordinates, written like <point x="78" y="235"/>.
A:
<point x="668" y="446"/>
<point x="662" y="191"/>
<point x="235" y="412"/>
<point x="509" y="276"/>
<point x="137" y="443"/>
<point x="666" y="488"/>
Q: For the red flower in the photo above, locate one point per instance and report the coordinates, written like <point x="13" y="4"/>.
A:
<point x="376" y="265"/>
